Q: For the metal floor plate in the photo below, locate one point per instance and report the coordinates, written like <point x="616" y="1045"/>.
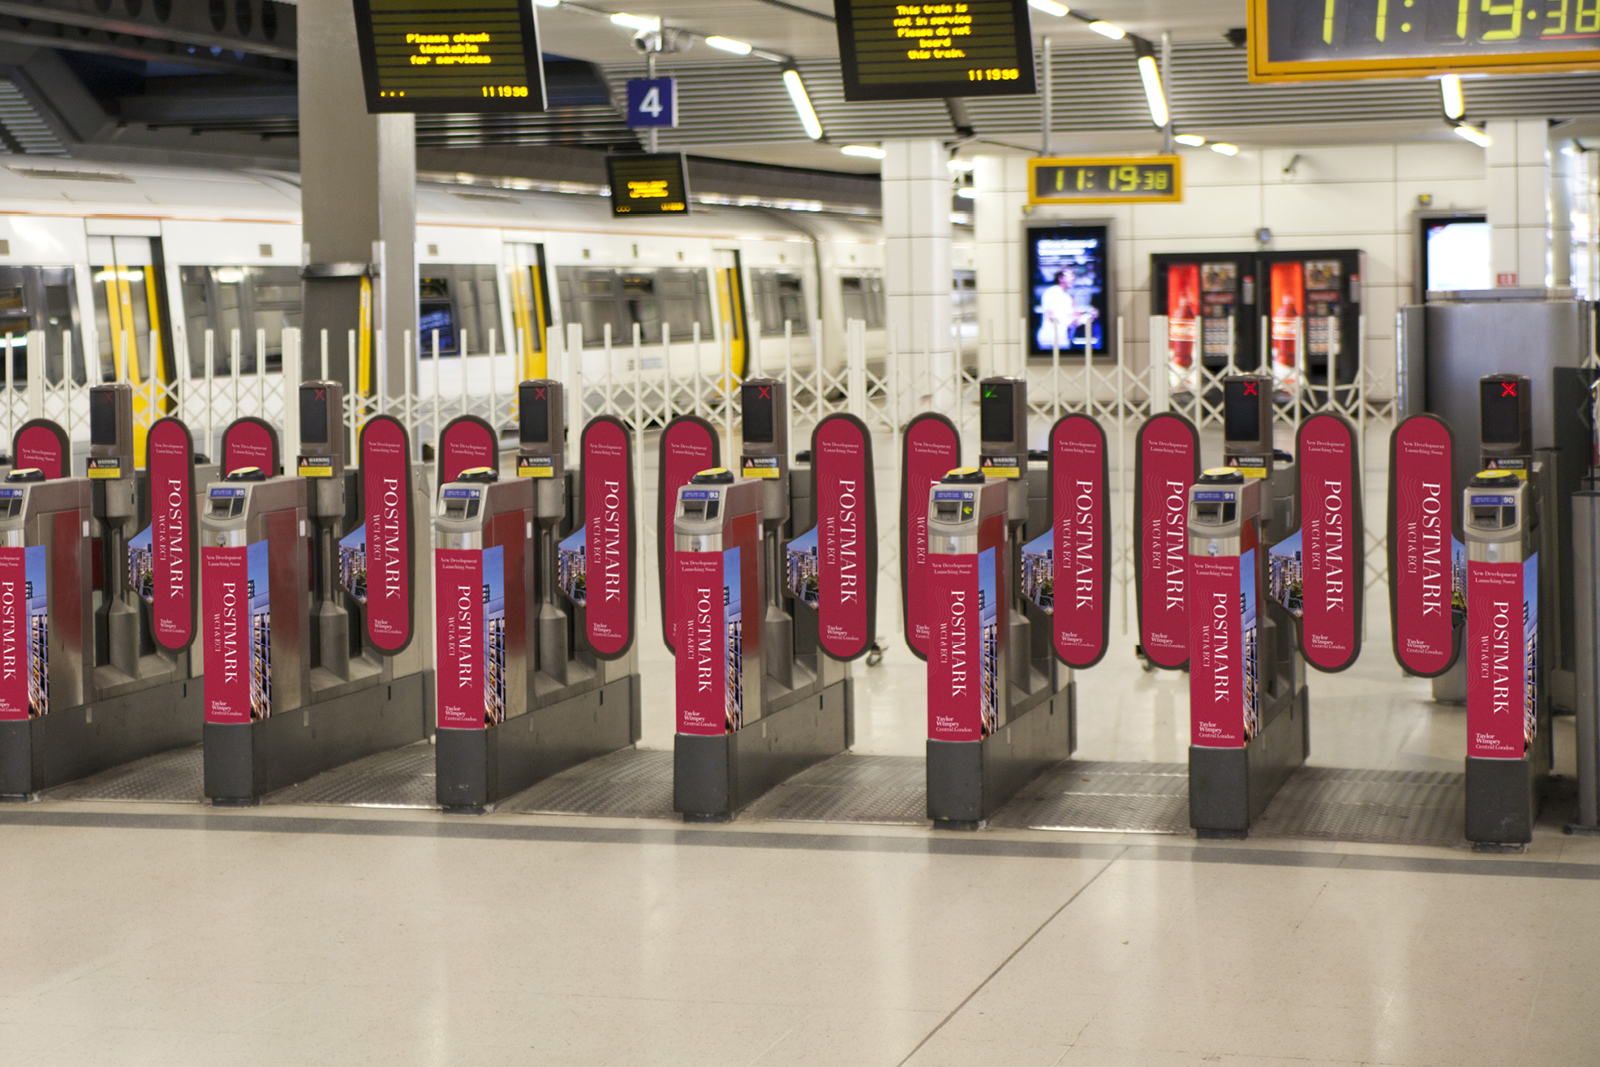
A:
<point x="400" y="778"/>
<point x="1090" y="795"/>
<point x="175" y="777"/>
<point x="850" y="788"/>
<point x="630" y="784"/>
<point x="1381" y="807"/>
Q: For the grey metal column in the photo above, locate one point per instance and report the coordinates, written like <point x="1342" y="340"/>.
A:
<point x="358" y="176"/>
<point x="1586" y="638"/>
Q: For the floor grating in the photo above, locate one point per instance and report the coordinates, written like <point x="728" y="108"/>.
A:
<point x="1092" y="795"/>
<point x="175" y="777"/>
<point x="850" y="788"/>
<point x="399" y="778"/>
<point x="1379" y="807"/>
<point x="630" y="784"/>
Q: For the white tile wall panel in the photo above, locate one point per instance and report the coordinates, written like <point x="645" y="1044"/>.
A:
<point x="1213" y="211"/>
<point x="1328" y="208"/>
<point x="1448" y="157"/>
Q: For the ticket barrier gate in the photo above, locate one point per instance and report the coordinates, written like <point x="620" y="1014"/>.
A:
<point x="1249" y="705"/>
<point x="786" y="699"/>
<point x="48" y="731"/>
<point x="528" y="687"/>
<point x="292" y="687"/>
<point x="1001" y="709"/>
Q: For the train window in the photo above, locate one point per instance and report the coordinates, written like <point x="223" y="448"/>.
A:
<point x="597" y="297"/>
<point x="252" y="300"/>
<point x="436" y="315"/>
<point x="862" y="298"/>
<point x="780" y="297"/>
<point x="40" y="299"/>
<point x="463" y="300"/>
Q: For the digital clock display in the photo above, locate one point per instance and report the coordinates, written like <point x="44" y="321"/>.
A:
<point x="431" y="55"/>
<point x="653" y="184"/>
<point x="913" y="50"/>
<point x="1098" y="180"/>
<point x="1294" y="40"/>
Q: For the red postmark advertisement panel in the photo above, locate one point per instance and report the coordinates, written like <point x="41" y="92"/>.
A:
<point x="847" y="536"/>
<point x="13" y="634"/>
<point x="608" y="503"/>
<point x="689" y="445"/>
<point x="467" y="442"/>
<point x="1082" y="521"/>
<point x="702" y="659"/>
<point x="391" y="550"/>
<point x="1216" y="683"/>
<point x="458" y="584"/>
<point x="1421" y="531"/>
<point x="225" y="576"/>
<point x="930" y="449"/>
<point x="250" y="442"/>
<point x="1332" y="542"/>
<point x="42" y="445"/>
<point x="170" y="467"/>
<point x="1168" y="463"/>
<point x="955" y="665"/>
<point x="1501" y="645"/>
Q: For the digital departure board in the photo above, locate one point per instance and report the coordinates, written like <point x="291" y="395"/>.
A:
<point x="910" y="51"/>
<point x="432" y="55"/>
<point x="654" y="184"/>
<point x="1101" y="180"/>
<point x="1311" y="40"/>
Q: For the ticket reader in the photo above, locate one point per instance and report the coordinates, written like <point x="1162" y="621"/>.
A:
<point x="49" y="732"/>
<point x="1248" y="700"/>
<point x="986" y="736"/>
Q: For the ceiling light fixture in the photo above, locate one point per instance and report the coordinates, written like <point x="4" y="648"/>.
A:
<point x="728" y="44"/>
<point x="1473" y="134"/>
<point x="1105" y="29"/>
<point x="1223" y="149"/>
<point x="802" y="103"/>
<point x="1150" y="74"/>
<point x="967" y="192"/>
<point x="548" y="3"/>
<point x="1193" y="140"/>
<point x="864" y="151"/>
<point x="1455" y="105"/>
<point x="1050" y="7"/>
<point x="643" y="23"/>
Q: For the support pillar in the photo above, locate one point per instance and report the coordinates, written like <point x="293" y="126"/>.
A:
<point x="916" y="276"/>
<point x="1002" y="186"/>
<point x="1519" y="202"/>
<point x="358" y="175"/>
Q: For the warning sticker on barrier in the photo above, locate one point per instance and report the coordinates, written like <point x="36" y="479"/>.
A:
<point x="1333" y="542"/>
<point x="162" y="568"/>
<point x="1081" y="571"/>
<point x="689" y="445"/>
<point x="930" y="448"/>
<point x="390" y="548"/>
<point x="1167" y="464"/>
<point x="467" y="443"/>
<point x="607" y="454"/>
<point x="1423" y="610"/>
<point x="42" y="445"/>
<point x="846" y="556"/>
<point x="1502" y="649"/>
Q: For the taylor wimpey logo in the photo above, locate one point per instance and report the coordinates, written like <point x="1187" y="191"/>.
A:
<point x="1174" y="532"/>
<point x="1500" y="656"/>
<point x="1335" y="547"/>
<point x="611" y="541"/>
<point x="701" y="643"/>
<point x="959" y="636"/>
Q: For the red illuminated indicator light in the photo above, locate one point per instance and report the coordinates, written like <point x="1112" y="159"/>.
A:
<point x="538" y="392"/>
<point x="1250" y="389"/>
<point x="764" y="392"/>
<point x="1508" y="388"/>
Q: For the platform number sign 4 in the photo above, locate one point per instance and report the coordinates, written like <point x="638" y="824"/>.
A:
<point x="652" y="102"/>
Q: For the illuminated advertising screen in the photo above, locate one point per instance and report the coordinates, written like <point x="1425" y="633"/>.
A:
<point x="1455" y="254"/>
<point x="1295" y="40"/>
<point x="429" y="55"/>
<point x="1069" y="286"/>
<point x="914" y="51"/>
<point x="655" y="184"/>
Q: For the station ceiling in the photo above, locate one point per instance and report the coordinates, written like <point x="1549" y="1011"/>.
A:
<point x="186" y="78"/>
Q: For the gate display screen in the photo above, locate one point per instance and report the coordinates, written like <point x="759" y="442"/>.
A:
<point x="1296" y="40"/>
<point x="432" y="55"/>
<point x="648" y="184"/>
<point x="913" y="50"/>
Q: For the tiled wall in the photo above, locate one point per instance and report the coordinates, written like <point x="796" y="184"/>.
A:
<point x="1355" y="196"/>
